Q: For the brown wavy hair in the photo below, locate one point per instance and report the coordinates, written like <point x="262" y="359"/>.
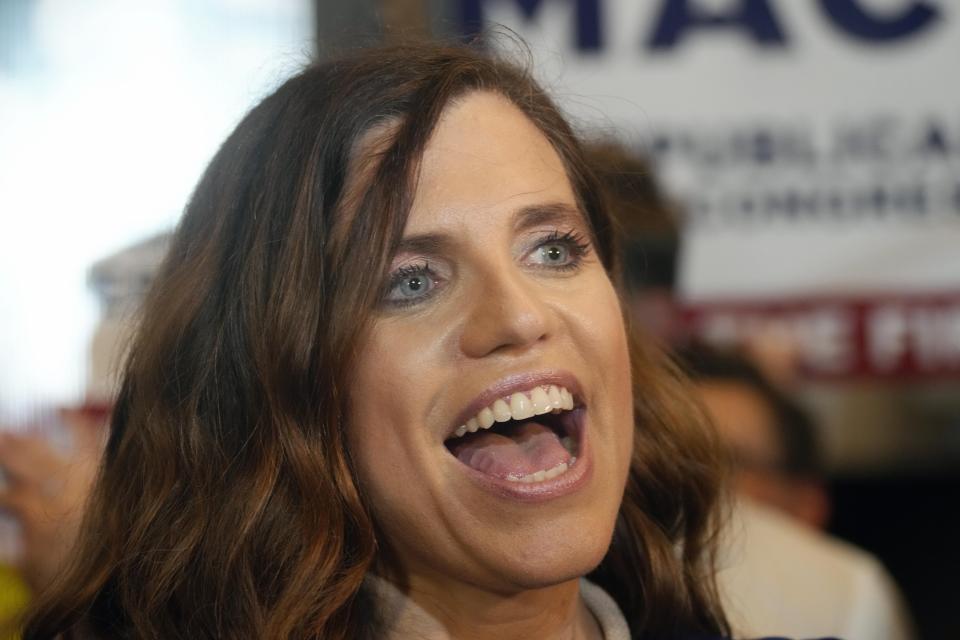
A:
<point x="226" y="505"/>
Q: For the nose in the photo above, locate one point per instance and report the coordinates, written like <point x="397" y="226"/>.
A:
<point x="508" y="313"/>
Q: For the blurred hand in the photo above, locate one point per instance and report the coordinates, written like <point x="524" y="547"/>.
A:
<point x="46" y="490"/>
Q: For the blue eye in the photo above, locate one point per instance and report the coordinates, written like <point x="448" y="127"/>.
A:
<point x="411" y="284"/>
<point x="554" y="254"/>
<point x="561" y="252"/>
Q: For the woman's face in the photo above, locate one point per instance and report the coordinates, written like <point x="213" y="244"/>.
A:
<point x="496" y="309"/>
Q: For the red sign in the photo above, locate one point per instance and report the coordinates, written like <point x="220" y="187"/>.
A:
<point x="876" y="336"/>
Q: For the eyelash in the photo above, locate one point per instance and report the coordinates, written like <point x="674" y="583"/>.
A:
<point x="575" y="242"/>
<point x="409" y="271"/>
<point x="578" y="245"/>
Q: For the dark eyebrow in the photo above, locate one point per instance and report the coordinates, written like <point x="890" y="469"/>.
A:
<point x="555" y="213"/>
<point x="427" y="243"/>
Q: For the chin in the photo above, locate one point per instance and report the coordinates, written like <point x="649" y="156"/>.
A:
<point x="541" y="576"/>
<point x="544" y="563"/>
<point x="565" y="547"/>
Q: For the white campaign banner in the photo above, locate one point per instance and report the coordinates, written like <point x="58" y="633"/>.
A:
<point x="815" y="144"/>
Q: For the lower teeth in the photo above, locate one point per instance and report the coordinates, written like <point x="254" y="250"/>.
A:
<point x="546" y="474"/>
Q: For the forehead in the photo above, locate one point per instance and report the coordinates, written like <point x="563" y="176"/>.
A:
<point x="485" y="157"/>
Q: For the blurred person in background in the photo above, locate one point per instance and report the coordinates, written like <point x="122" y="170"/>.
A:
<point x="778" y="572"/>
<point x="45" y="486"/>
<point x="771" y="438"/>
<point x="821" y="583"/>
<point x="647" y="220"/>
<point x="49" y="468"/>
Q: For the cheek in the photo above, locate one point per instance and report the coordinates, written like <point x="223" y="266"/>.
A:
<point x="596" y="327"/>
<point x="389" y="398"/>
<point x="378" y="414"/>
<point x="617" y="378"/>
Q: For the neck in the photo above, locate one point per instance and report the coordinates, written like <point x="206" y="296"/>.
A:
<point x="463" y="612"/>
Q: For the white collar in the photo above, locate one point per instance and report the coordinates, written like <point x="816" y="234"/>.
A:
<point x="406" y="619"/>
<point x="605" y="610"/>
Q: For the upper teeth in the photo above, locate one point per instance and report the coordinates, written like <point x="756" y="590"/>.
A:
<point x="520" y="406"/>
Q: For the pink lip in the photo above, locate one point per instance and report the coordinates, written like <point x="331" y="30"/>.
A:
<point x="564" y="484"/>
<point x="570" y="481"/>
<point x="504" y="387"/>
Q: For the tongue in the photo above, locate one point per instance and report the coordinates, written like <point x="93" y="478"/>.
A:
<point x="529" y="448"/>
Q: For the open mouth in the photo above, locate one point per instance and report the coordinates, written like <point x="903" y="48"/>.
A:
<point x="528" y="437"/>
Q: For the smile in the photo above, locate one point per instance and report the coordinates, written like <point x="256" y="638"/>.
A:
<point x="527" y="437"/>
